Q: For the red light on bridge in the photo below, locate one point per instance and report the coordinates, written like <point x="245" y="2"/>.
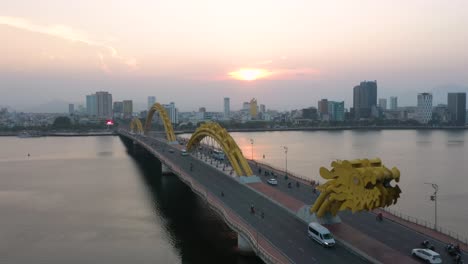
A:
<point x="110" y="122"/>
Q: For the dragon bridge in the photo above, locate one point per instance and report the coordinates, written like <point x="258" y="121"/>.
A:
<point x="227" y="143"/>
<point x="356" y="185"/>
<point x="157" y="107"/>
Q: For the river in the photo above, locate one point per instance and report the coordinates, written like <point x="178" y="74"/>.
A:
<point x="86" y="200"/>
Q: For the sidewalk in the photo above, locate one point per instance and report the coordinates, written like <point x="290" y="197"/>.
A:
<point x="423" y="230"/>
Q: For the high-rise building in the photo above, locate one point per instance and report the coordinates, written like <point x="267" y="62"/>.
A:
<point x="246" y="106"/>
<point x="127" y="109"/>
<point x="71" y="109"/>
<point x="424" y="108"/>
<point x="172" y="112"/>
<point x="336" y="111"/>
<point x="253" y="108"/>
<point x="91" y="105"/>
<point x="104" y="104"/>
<point x="393" y="103"/>
<point x="383" y="103"/>
<point x="151" y="101"/>
<point x="227" y="107"/>
<point x="323" y="107"/>
<point x="202" y="109"/>
<point x="262" y="108"/>
<point x="364" y="98"/>
<point x="456" y="103"/>
<point x="118" y="109"/>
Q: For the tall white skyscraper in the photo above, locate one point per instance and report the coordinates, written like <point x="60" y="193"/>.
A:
<point x="227" y="107"/>
<point x="393" y="103"/>
<point x="151" y="101"/>
<point x="424" y="108"/>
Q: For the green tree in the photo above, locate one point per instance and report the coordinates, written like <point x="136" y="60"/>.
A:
<point x="62" y="122"/>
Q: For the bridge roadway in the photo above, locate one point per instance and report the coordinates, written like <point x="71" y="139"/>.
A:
<point x="385" y="241"/>
<point x="284" y="230"/>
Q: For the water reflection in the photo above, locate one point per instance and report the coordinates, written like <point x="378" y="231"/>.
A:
<point x="195" y="230"/>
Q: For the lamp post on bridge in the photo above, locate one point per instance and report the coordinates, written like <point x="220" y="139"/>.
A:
<point x="251" y="143"/>
<point x="286" y="159"/>
<point x="434" y="198"/>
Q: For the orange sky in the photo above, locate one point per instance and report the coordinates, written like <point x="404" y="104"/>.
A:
<point x="307" y="41"/>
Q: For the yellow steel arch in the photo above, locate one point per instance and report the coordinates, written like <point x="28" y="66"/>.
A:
<point x="230" y="147"/>
<point x="136" y="126"/>
<point x="170" y="135"/>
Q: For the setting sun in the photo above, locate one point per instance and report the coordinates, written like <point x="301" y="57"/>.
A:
<point x="249" y="74"/>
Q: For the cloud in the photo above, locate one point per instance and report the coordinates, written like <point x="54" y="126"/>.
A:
<point x="71" y="34"/>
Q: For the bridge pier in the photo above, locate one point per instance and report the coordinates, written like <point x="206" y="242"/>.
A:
<point x="305" y="214"/>
<point x="244" y="246"/>
<point x="137" y="148"/>
<point x="165" y="169"/>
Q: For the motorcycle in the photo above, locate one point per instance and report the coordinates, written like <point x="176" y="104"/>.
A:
<point x="452" y="250"/>
<point x="428" y="245"/>
<point x="379" y="217"/>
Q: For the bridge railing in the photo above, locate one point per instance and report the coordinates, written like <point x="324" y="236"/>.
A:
<point x="290" y="174"/>
<point x="461" y="238"/>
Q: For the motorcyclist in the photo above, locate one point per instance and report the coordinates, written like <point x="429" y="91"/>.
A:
<point x="379" y="217"/>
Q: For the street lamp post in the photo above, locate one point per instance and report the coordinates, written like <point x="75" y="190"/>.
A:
<point x="251" y="142"/>
<point x="434" y="198"/>
<point x="286" y="159"/>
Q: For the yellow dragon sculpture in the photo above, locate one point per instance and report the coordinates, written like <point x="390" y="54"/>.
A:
<point x="356" y="185"/>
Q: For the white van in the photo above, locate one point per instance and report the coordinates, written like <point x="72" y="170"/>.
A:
<point x="320" y="234"/>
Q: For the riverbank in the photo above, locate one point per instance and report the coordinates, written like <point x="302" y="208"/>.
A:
<point x="58" y="134"/>
<point x="334" y="128"/>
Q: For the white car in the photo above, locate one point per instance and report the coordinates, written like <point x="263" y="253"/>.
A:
<point x="427" y="255"/>
<point x="184" y="152"/>
<point x="272" y="181"/>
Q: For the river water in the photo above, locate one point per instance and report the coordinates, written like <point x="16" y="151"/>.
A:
<point x="86" y="200"/>
<point x="423" y="156"/>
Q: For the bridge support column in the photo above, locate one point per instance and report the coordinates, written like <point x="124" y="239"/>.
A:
<point x="244" y="246"/>
<point x="137" y="149"/>
<point x="165" y="169"/>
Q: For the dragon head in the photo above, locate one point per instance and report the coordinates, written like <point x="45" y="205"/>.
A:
<point x="356" y="185"/>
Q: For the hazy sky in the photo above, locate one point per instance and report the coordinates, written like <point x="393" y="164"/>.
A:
<point x="187" y="51"/>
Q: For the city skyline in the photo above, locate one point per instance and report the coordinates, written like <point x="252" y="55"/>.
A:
<point x="316" y="50"/>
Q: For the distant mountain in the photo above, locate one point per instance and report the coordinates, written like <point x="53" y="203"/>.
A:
<point x="54" y="106"/>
